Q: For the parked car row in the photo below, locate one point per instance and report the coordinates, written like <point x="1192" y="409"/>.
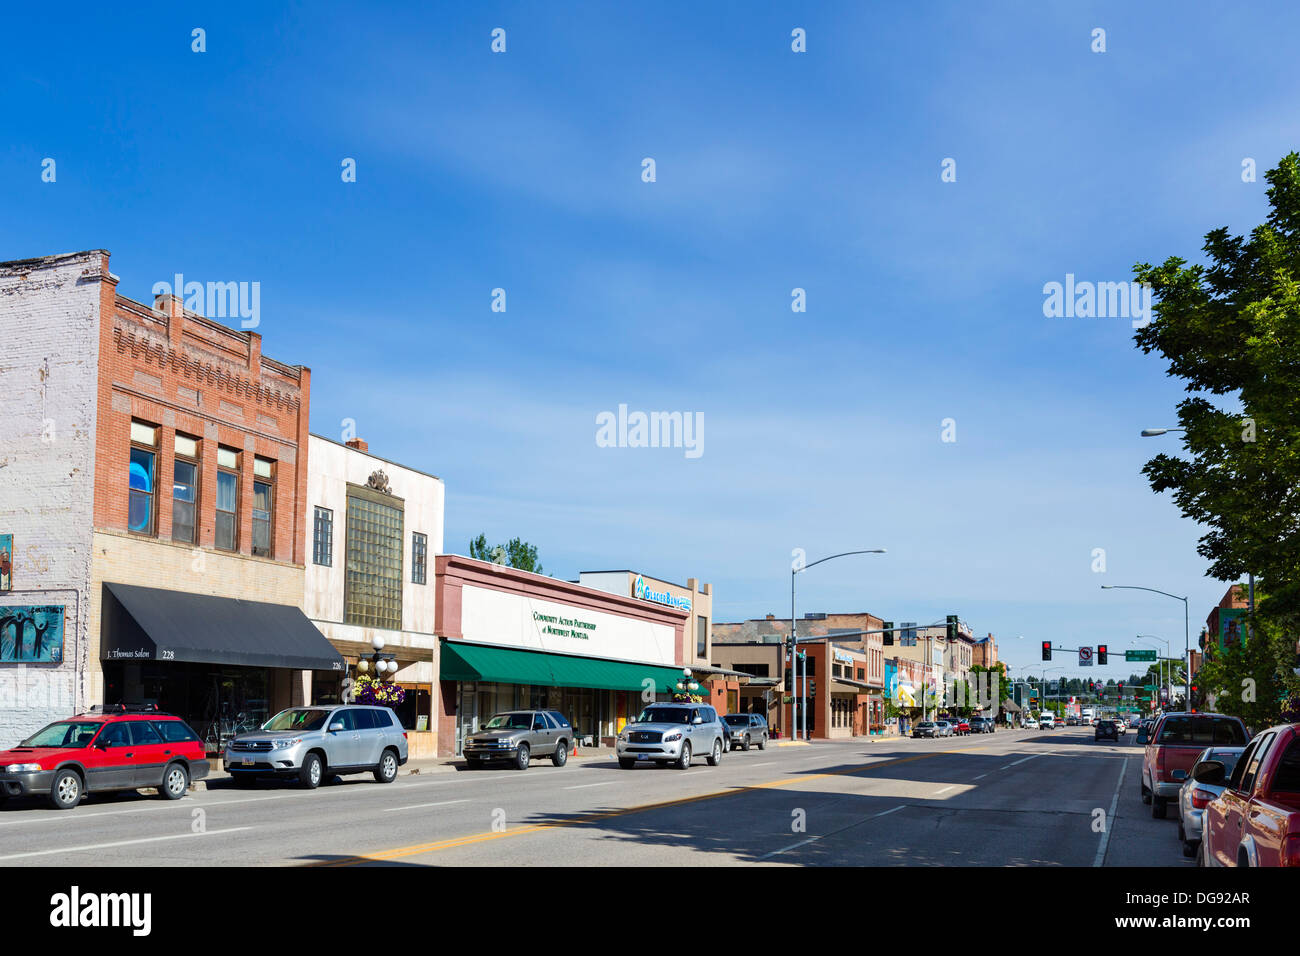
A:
<point x="953" y="727"/>
<point x="1238" y="799"/>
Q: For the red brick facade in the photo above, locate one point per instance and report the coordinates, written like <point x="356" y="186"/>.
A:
<point x="174" y="369"/>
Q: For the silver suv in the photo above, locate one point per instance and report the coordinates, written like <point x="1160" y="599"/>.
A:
<point x="518" y="736"/>
<point x="672" y="734"/>
<point x="314" y="743"/>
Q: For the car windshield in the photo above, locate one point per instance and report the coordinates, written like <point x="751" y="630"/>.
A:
<point x="664" y="715"/>
<point x="737" y="720"/>
<point x="510" y="722"/>
<point x="925" y="723"/>
<point x="1206" y="731"/>
<point x="66" y="733"/>
<point x="297" y="718"/>
<point x="1226" y="757"/>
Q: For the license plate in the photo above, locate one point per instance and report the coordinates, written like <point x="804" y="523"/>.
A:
<point x="247" y="761"/>
<point x="642" y="756"/>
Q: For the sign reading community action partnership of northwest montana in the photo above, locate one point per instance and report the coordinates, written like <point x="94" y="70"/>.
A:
<point x="564" y="626"/>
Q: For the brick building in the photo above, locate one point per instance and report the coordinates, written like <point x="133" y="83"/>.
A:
<point x="180" y="452"/>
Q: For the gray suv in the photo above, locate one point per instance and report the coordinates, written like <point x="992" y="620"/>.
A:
<point x="518" y="736"/>
<point x="314" y="743"/>
<point x="747" y="730"/>
<point x="672" y="734"/>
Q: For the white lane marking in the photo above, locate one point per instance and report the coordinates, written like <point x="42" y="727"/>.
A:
<point x="792" y="846"/>
<point x="1014" y="763"/>
<point x="421" y="806"/>
<point x="980" y="777"/>
<point x="766" y="763"/>
<point x="944" y="790"/>
<point x="1110" y="817"/>
<point x="106" y="846"/>
<point x="886" y="812"/>
<point x="584" y="786"/>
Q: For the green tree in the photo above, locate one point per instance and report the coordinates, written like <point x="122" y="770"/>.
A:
<point x="1230" y="329"/>
<point x="515" y="554"/>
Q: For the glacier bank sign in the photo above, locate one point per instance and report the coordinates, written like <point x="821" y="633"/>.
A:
<point x="642" y="592"/>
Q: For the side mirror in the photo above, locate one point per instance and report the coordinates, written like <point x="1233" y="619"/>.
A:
<point x="1143" y="736"/>
<point x="698" y="720"/>
<point x="337" y="725"/>
<point x="1210" y="772"/>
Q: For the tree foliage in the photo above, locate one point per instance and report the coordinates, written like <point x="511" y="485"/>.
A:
<point x="515" y="554"/>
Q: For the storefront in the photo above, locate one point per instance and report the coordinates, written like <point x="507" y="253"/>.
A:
<point x="512" y="639"/>
<point x="221" y="664"/>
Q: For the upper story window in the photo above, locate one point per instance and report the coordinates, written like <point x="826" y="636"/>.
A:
<point x="142" y="478"/>
<point x="263" y="506"/>
<point x="322" y="537"/>
<point x="227" y="499"/>
<point x="701" y="636"/>
<point x="419" y="558"/>
<point x="185" y="489"/>
<point x="372" y="595"/>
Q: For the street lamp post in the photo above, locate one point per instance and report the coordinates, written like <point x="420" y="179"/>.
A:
<point x="1187" y="642"/>
<point x="794" y="642"/>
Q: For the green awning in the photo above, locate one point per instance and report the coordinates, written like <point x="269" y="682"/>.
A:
<point x="507" y="665"/>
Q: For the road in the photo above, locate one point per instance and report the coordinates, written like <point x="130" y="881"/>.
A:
<point x="1014" y="798"/>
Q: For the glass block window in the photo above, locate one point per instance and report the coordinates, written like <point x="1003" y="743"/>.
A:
<point x="373" y="565"/>
<point x="419" y="558"/>
<point x="322" y="537"/>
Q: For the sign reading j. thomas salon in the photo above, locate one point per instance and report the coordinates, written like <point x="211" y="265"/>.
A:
<point x="514" y="620"/>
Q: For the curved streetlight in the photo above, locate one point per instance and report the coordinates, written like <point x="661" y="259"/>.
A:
<point x="1187" y="643"/>
<point x="794" y="638"/>
<point x="1153" y="432"/>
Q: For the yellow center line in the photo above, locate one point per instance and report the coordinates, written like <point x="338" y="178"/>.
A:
<point x="453" y="842"/>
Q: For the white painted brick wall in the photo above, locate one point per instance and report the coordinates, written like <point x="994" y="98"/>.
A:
<point x="49" y="358"/>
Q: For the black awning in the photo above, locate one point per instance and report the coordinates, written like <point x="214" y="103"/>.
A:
<point x="157" y="625"/>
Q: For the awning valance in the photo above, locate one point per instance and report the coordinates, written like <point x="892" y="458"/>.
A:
<point x="508" y="665"/>
<point x="159" y="625"/>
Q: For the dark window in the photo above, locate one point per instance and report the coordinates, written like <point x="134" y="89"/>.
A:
<point x="227" y="499"/>
<point x="701" y="636"/>
<point x="368" y="719"/>
<point x="116" y="734"/>
<point x="185" y="490"/>
<point x="1256" y="758"/>
<point x="861" y="672"/>
<point x="263" y="516"/>
<point x="539" y="722"/>
<point x="1287" y="776"/>
<point x="347" y="717"/>
<point x="142" y="732"/>
<point x="175" y="731"/>
<point x="322" y="542"/>
<point x="419" y="557"/>
<point x="142" y="478"/>
<point x="559" y="718"/>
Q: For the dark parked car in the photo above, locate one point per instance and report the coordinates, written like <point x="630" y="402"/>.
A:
<point x="746" y="730"/>
<point x="519" y="735"/>
<point x="1106" y="730"/>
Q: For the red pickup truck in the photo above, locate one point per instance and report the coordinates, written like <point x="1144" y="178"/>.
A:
<point x="1172" y="747"/>
<point x="1256" y="820"/>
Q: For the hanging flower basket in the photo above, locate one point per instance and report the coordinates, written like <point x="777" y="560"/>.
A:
<point x="367" y="690"/>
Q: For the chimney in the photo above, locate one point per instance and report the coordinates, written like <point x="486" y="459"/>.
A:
<point x="771" y="617"/>
<point x="172" y="306"/>
<point x="358" y="444"/>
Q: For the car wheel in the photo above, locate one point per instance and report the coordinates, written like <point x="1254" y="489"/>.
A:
<point x="386" y="772"/>
<point x="65" y="792"/>
<point x="762" y="742"/>
<point x="746" y="747"/>
<point x="1157" y="807"/>
<point x="176" y="780"/>
<point x="1146" y="794"/>
<point x="684" y="761"/>
<point x="521" y="757"/>
<point x="1189" y="849"/>
<point x="561" y="755"/>
<point x="626" y="763"/>
<point x="715" y="758"/>
<point x="311" y="772"/>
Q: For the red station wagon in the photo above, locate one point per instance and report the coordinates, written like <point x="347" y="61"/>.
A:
<point x="97" y="753"/>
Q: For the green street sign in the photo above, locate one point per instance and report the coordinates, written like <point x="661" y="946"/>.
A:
<point x="1140" y="655"/>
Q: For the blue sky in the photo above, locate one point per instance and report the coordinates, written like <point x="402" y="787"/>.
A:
<point x="775" y="170"/>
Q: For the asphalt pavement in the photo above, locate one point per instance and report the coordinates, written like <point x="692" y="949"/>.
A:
<point x="1014" y="798"/>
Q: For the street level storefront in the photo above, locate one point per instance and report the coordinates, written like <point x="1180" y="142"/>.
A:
<point x="839" y="701"/>
<point x="221" y="664"/>
<point x="513" y="639"/>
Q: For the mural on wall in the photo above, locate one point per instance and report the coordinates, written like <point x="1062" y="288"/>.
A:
<point x="31" y="635"/>
<point x="6" y="562"/>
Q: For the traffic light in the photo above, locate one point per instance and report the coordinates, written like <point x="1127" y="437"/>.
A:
<point x="889" y="633"/>
<point x="1101" y="654"/>
<point x="952" y="627"/>
<point x="1121" y="690"/>
<point x="1047" y="650"/>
